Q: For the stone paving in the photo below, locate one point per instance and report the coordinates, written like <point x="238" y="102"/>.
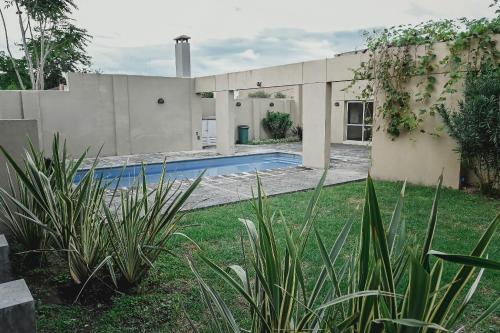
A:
<point x="348" y="163"/>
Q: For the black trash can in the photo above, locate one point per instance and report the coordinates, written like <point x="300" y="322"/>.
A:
<point x="243" y="134"/>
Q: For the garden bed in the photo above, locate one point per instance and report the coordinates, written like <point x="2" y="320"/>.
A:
<point x="168" y="298"/>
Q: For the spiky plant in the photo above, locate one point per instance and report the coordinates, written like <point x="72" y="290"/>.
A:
<point x="142" y="224"/>
<point x="360" y="297"/>
<point x="70" y="214"/>
<point x="29" y="235"/>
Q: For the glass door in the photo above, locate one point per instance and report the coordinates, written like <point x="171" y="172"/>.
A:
<point x="359" y="121"/>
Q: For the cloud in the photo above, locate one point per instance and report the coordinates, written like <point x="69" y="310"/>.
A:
<point x="268" y="48"/>
<point x="249" y="54"/>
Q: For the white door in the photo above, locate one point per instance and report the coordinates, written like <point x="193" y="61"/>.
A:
<point x="209" y="132"/>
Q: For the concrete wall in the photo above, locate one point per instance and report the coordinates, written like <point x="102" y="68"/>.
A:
<point x="14" y="136"/>
<point x="418" y="157"/>
<point x="118" y="112"/>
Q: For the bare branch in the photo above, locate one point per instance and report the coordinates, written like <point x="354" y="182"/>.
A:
<point x="21" y="83"/>
<point x="31" y="69"/>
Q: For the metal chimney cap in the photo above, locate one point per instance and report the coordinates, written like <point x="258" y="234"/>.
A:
<point x="182" y="38"/>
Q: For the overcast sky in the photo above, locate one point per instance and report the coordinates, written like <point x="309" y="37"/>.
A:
<point x="135" y="37"/>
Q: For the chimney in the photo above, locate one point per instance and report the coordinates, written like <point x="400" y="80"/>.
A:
<point x="182" y="56"/>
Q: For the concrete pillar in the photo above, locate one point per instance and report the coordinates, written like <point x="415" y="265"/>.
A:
<point x="224" y="113"/>
<point x="123" y="143"/>
<point x="316" y="120"/>
<point x="5" y="273"/>
<point x="17" y="308"/>
<point x="182" y="56"/>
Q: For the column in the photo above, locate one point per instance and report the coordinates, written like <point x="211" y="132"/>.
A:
<point x="224" y="114"/>
<point x="316" y="120"/>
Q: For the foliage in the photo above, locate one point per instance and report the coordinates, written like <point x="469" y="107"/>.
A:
<point x="259" y="94"/>
<point x="279" y="94"/>
<point x="297" y="130"/>
<point x="8" y="77"/>
<point x="50" y="42"/>
<point x="277" y="124"/>
<point x="207" y="94"/>
<point x="391" y="66"/>
<point x="476" y="125"/>
<point x="169" y="294"/>
<point x="140" y="230"/>
<point x="69" y="214"/>
<point x="88" y="231"/>
<point x="361" y="295"/>
<point x="289" y="139"/>
<point x="31" y="236"/>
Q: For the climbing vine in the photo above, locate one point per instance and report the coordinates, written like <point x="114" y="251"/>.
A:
<point x="404" y="56"/>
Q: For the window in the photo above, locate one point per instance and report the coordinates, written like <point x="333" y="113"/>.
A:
<point x="359" y="121"/>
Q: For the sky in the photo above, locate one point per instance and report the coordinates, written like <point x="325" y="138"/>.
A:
<point x="136" y="37"/>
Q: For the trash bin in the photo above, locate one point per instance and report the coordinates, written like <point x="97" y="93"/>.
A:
<point x="243" y="134"/>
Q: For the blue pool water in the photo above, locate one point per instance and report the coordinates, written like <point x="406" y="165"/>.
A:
<point x="190" y="169"/>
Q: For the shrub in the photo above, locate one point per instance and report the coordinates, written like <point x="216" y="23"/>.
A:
<point x="207" y="94"/>
<point x="277" y="124"/>
<point x="259" y="94"/>
<point x="476" y="125"/>
<point x="358" y="295"/>
<point x="275" y="141"/>
<point x="297" y="131"/>
<point x="279" y="94"/>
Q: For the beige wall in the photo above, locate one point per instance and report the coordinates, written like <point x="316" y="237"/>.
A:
<point x="418" y="157"/>
<point x="14" y="136"/>
<point x="118" y="112"/>
<point x="10" y="105"/>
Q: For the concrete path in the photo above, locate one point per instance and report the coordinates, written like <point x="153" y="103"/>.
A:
<point x="348" y="163"/>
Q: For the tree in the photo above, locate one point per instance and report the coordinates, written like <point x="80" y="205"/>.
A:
<point x="51" y="44"/>
<point x="476" y="124"/>
<point x="8" y="75"/>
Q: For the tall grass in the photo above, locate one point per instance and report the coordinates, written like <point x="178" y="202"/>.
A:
<point x="389" y="284"/>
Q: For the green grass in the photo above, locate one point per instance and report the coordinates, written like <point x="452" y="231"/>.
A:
<point x="169" y="294"/>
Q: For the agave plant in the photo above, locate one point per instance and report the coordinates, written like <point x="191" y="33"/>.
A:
<point x="30" y="236"/>
<point x="142" y="224"/>
<point x="69" y="214"/>
<point x="359" y="295"/>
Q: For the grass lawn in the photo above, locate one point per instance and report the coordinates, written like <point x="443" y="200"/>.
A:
<point x="169" y="294"/>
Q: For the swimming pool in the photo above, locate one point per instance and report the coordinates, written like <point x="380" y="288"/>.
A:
<point x="189" y="169"/>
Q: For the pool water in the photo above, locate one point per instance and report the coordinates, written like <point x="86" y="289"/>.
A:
<point x="189" y="169"/>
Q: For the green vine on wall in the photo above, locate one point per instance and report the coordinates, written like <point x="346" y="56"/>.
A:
<point x="392" y="67"/>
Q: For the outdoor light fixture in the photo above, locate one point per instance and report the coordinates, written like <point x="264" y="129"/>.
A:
<point x="238" y="103"/>
<point x="259" y="83"/>
<point x="337" y="104"/>
<point x="161" y="101"/>
<point x="271" y="104"/>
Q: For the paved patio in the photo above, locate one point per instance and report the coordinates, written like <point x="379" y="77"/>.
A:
<point x="348" y="163"/>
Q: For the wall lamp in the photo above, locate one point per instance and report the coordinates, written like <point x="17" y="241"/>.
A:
<point x="161" y="101"/>
<point x="259" y="83"/>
